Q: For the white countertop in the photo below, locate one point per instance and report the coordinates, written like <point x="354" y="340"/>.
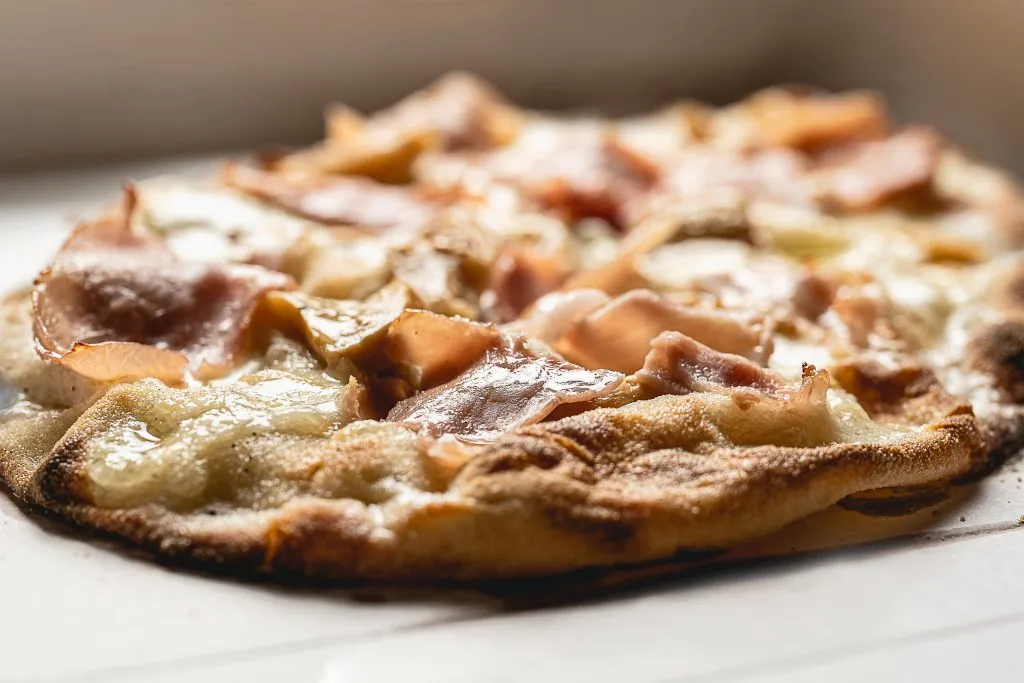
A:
<point x="936" y="596"/>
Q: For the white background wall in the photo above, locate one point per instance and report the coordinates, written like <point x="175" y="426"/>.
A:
<point x="82" y="79"/>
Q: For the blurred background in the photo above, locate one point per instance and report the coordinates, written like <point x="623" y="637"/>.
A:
<point x="87" y="80"/>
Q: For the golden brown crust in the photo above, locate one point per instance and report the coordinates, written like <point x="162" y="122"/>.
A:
<point x="610" y="485"/>
<point x="545" y="498"/>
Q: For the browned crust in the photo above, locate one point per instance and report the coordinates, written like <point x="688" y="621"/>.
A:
<point x="547" y="498"/>
<point x="998" y="351"/>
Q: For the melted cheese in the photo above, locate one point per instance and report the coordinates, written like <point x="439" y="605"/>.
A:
<point x="815" y="415"/>
<point x="163" y="443"/>
<point x="790" y="354"/>
<point x="214" y="224"/>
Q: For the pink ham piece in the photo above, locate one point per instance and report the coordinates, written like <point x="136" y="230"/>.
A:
<point x="747" y="403"/>
<point x="520" y="276"/>
<point x="508" y="387"/>
<point x="459" y="110"/>
<point x="555" y="313"/>
<point x="678" y="364"/>
<point x="865" y="175"/>
<point x="780" y="174"/>
<point x="798" y="119"/>
<point x="335" y="200"/>
<point x="618" y="335"/>
<point x="116" y="304"/>
<point x="574" y="168"/>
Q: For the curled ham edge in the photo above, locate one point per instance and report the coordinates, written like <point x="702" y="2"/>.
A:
<point x="335" y="200"/>
<point x="508" y="387"/>
<point x="123" y="360"/>
<point x="594" y="330"/>
<point x="472" y="381"/>
<point x="762" y="408"/>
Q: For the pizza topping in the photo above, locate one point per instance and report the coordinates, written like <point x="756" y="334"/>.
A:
<point x="446" y="266"/>
<point x="678" y="364"/>
<point x="780" y="174"/>
<point x="783" y="118"/>
<point x="552" y="315"/>
<point x="735" y="276"/>
<point x="147" y="443"/>
<point x="438" y="279"/>
<point x="432" y="349"/>
<point x="864" y="314"/>
<point x="508" y="387"/>
<point x="520" y="276"/>
<point x="719" y="220"/>
<point x="215" y="224"/>
<point x="315" y="260"/>
<point x="753" y="406"/>
<point x="339" y="329"/>
<point x="577" y="169"/>
<point x="336" y="200"/>
<point x="116" y="304"/>
<point x="617" y="336"/>
<point x="662" y="133"/>
<point x="457" y="112"/>
<point x="865" y="175"/>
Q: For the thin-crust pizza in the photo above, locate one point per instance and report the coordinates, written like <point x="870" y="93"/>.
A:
<point x="459" y="339"/>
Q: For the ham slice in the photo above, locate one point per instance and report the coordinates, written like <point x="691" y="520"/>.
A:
<point x="750" y="405"/>
<point x="335" y="200"/>
<point x="617" y="335"/>
<point x="777" y="117"/>
<point x="433" y="348"/>
<point x="458" y="112"/>
<point x="508" y="387"/>
<point x="553" y="314"/>
<point x="393" y="350"/>
<point x="779" y="174"/>
<point x="678" y="364"/>
<point x="865" y="175"/>
<point x="576" y="168"/>
<point x="116" y="304"/>
<point x="520" y="276"/>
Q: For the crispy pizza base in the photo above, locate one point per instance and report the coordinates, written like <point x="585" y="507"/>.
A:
<point x="608" y="486"/>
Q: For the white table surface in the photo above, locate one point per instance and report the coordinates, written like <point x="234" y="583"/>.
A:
<point x="936" y="596"/>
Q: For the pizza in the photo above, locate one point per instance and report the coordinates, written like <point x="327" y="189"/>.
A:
<point x="459" y="339"/>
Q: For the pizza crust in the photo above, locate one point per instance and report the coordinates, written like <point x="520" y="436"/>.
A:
<point x="377" y="501"/>
<point x="542" y="500"/>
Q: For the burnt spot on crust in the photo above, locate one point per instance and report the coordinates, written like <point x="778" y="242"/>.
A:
<point x="998" y="351"/>
<point x="896" y="501"/>
<point x="611" y="532"/>
<point x="60" y="479"/>
<point x="909" y="392"/>
<point x="536" y="450"/>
